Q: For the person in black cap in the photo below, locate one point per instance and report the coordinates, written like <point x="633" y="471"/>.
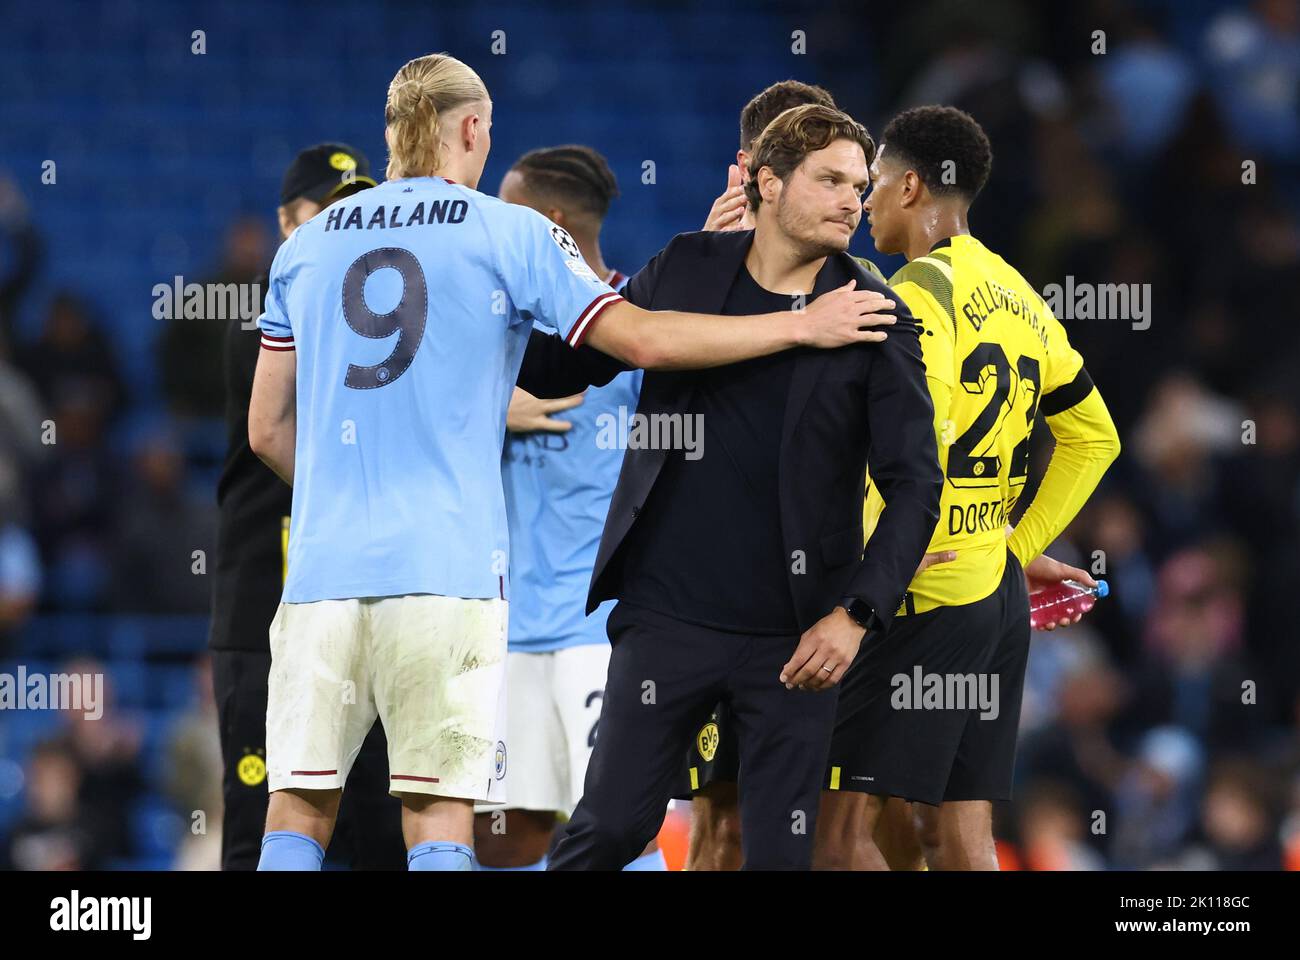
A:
<point x="319" y="176"/>
<point x="253" y="505"/>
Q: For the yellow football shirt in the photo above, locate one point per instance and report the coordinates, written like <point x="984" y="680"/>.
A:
<point x="995" y="356"/>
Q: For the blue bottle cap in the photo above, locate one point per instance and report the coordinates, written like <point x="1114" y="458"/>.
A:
<point x="1103" y="589"/>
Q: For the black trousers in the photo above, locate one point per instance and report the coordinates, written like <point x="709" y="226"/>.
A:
<point x="665" y="677"/>
<point x="368" y="835"/>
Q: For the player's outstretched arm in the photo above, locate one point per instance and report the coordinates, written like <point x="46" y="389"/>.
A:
<point x="551" y="369"/>
<point x="1086" y="445"/>
<point x="273" y="411"/>
<point x="669" y="340"/>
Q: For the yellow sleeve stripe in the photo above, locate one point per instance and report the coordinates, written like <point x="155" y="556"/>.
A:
<point x="835" y="778"/>
<point x="934" y="277"/>
<point x="943" y="266"/>
<point x="284" y="550"/>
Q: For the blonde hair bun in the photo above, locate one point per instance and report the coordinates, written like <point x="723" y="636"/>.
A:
<point x="423" y="90"/>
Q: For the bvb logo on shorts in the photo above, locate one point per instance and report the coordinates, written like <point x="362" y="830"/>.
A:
<point x="251" y="770"/>
<point x="501" y="759"/>
<point x="342" y="161"/>
<point x="707" y="741"/>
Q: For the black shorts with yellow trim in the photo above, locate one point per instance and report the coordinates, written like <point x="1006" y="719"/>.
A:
<point x="930" y="709"/>
<point x="713" y="755"/>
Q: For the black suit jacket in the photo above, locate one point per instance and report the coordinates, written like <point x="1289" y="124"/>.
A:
<point x="847" y="408"/>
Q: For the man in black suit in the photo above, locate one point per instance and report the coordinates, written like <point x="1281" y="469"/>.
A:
<point x="738" y="565"/>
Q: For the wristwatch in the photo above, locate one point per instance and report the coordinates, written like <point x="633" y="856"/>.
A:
<point x="861" y="612"/>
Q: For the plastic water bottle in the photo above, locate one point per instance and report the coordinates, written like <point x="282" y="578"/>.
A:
<point x="1064" y="601"/>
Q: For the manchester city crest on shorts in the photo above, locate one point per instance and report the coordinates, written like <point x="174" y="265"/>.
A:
<point x="501" y="759"/>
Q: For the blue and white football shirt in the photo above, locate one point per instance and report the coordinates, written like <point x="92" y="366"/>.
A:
<point x="558" y="488"/>
<point x="409" y="306"/>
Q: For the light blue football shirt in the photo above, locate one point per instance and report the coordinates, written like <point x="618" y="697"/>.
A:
<point x="409" y="306"/>
<point x="558" y="488"/>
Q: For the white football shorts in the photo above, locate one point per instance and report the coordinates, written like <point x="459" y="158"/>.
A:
<point x="555" y="700"/>
<point x="431" y="668"/>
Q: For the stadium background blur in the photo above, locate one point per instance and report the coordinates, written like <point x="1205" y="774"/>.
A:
<point x="1117" y="168"/>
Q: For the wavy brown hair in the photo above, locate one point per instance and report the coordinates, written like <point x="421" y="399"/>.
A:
<point x="797" y="132"/>
<point x="775" y="100"/>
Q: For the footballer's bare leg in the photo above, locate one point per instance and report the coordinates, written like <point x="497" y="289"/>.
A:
<point x="926" y="819"/>
<point x="846" y="829"/>
<point x="965" y="836"/>
<point x="510" y="839"/>
<point x="715" y="835"/>
<point x="897" y="838"/>
<point x="715" y="829"/>
<point x="431" y="819"/>
<point x="311" y="813"/>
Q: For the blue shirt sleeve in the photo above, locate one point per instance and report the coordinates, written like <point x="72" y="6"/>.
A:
<point x="545" y="276"/>
<point x="277" y="331"/>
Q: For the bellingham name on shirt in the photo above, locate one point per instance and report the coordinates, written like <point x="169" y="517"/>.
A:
<point x="435" y="211"/>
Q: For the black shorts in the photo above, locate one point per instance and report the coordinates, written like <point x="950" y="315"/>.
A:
<point x="713" y="755"/>
<point x="930" y="708"/>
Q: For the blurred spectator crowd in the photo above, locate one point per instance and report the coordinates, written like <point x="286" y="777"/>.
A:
<point x="1163" y="732"/>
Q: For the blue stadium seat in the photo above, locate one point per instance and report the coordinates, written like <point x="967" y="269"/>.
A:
<point x="147" y="131"/>
<point x="64" y="635"/>
<point x="156" y="830"/>
<point x="158" y="636"/>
